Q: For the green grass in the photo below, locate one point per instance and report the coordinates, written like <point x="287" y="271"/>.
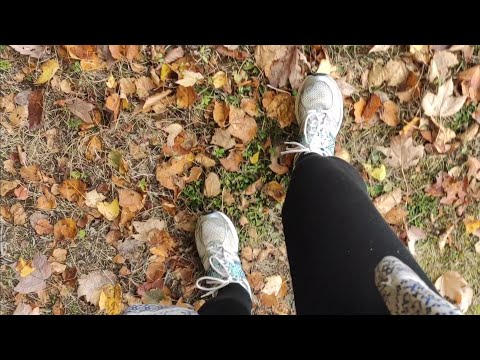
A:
<point x="421" y="208"/>
<point x="463" y="118"/>
<point x="5" y="65"/>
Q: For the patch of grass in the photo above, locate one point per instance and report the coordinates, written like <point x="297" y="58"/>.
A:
<point x="193" y="196"/>
<point x="463" y="118"/>
<point x="3" y="47"/>
<point x="5" y="65"/>
<point x="421" y="208"/>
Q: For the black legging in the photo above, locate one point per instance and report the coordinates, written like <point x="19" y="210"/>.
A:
<point x="335" y="237"/>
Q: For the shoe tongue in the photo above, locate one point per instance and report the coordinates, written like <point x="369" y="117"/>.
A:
<point x="317" y="95"/>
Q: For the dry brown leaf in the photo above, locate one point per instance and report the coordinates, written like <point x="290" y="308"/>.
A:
<point x="109" y="210"/>
<point x="282" y="64"/>
<point x="212" y="185"/>
<point x="275" y="166"/>
<point x="73" y="190"/>
<point x="189" y="79"/>
<point x="359" y="107"/>
<point x="254" y="187"/>
<point x="143" y="85"/>
<point x="223" y="139"/>
<point x="18" y="116"/>
<point x="219" y="79"/>
<point x="30" y="173"/>
<point x="455" y="191"/>
<point x="345" y="88"/>
<point x="454" y="287"/>
<point x="443" y="103"/>
<point x="92" y="198"/>
<point x="280" y="107"/>
<point x="127" y="87"/>
<point x="167" y="173"/>
<point x="46" y="201"/>
<point x="242" y="126"/>
<point x="443" y="138"/>
<point x="6" y="186"/>
<point x="371" y="108"/>
<point x="91" y="285"/>
<point x="26" y="309"/>
<point x="249" y="106"/>
<point x="35" y="51"/>
<point x="195" y="173"/>
<point x="445" y="237"/>
<point x="275" y="190"/>
<point x="232" y="161"/>
<point x="185" y="221"/>
<point x="35" y="281"/>
<point x="379" y="48"/>
<point x="471" y="83"/>
<point x="94" y="147"/>
<point x="21" y="193"/>
<point x="376" y="76"/>
<point x="130" y="200"/>
<point x="204" y="160"/>
<point x="9" y="166"/>
<point x="390" y="113"/>
<point x="236" y="54"/>
<point x="220" y="113"/>
<point x="18" y="213"/>
<point x="65" y="229"/>
<point x="388" y="201"/>
<point x="402" y="153"/>
<point x="396" y="72"/>
<point x="185" y="97"/>
<point x="441" y="62"/>
<point x="414" y="234"/>
<point x="158" y="101"/>
<point x="5" y="213"/>
<point x="174" y="54"/>
<point x="411" y="88"/>
<point x="396" y="216"/>
<point x="420" y="53"/>
<point x="112" y="103"/>
<point x="470" y="133"/>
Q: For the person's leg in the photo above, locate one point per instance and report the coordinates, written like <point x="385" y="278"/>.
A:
<point x="217" y="245"/>
<point x="335" y="237"/>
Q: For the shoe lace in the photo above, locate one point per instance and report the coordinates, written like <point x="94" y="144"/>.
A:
<point x="222" y="258"/>
<point x="309" y="132"/>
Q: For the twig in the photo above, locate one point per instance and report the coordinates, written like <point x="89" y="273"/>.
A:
<point x="274" y="88"/>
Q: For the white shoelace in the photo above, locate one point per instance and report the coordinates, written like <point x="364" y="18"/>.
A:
<point x="309" y="135"/>
<point x="221" y="256"/>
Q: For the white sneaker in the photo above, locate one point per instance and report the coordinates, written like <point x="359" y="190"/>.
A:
<point x="319" y="112"/>
<point x="217" y="245"/>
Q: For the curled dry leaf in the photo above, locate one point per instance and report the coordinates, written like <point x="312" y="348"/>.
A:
<point x="167" y="173"/>
<point x="94" y="147"/>
<point x="127" y="87"/>
<point x="445" y="237"/>
<point x="223" y="139"/>
<point x="455" y="288"/>
<point x="185" y="221"/>
<point x="65" y="229"/>
<point x="36" y="280"/>
<point x="254" y="187"/>
<point x="345" y="88"/>
<point x="402" y="153"/>
<point x="9" y="166"/>
<point x="280" y="107"/>
<point x="143" y="85"/>
<point x="73" y="190"/>
<point x="185" y="97"/>
<point x="232" y="161"/>
<point x="236" y="54"/>
<point x="130" y="200"/>
<point x="92" y="198"/>
<point x="112" y="103"/>
<point x="242" y="126"/>
<point x="249" y="106"/>
<point x="40" y="223"/>
<point x="173" y="130"/>
<point x="219" y="79"/>
<point x="396" y="216"/>
<point x="388" y="201"/>
<point x="471" y="83"/>
<point x="91" y="285"/>
<point x="46" y="201"/>
<point x="49" y="68"/>
<point x="441" y="62"/>
<point x="443" y="103"/>
<point x="212" y="185"/>
<point x="18" y="213"/>
<point x="6" y="186"/>
<point x="21" y="193"/>
<point x="275" y="190"/>
<point x="174" y="54"/>
<point x="30" y="173"/>
<point x="379" y="48"/>
<point x="390" y="113"/>
<point x="220" y="113"/>
<point x="443" y="138"/>
<point x="190" y="78"/>
<point x="204" y="160"/>
<point x="275" y="166"/>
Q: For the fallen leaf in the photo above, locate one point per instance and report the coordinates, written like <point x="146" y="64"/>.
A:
<point x="455" y="191"/>
<point x="40" y="223"/>
<point x="65" y="229"/>
<point x="174" y="55"/>
<point x="195" y="173"/>
<point x="396" y="72"/>
<point x="18" y="116"/>
<point x="345" y="88"/>
<point x="26" y="309"/>
<point x="236" y="54"/>
<point x="454" y="287"/>
<point x="379" y="48"/>
<point x="359" y="107"/>
<point x="73" y="190"/>
<point x="204" y="160"/>
<point x="376" y="76"/>
<point x="232" y="161"/>
<point x="112" y="103"/>
<point x="275" y="190"/>
<point x="219" y="79"/>
<point x="471" y="225"/>
<point x="223" y="139"/>
<point x="441" y="62"/>
<point x="110" y="299"/>
<point x="21" y="193"/>
<point x="116" y="160"/>
<point x="46" y="201"/>
<point x="220" y="113"/>
<point x="92" y="198"/>
<point x="342" y="153"/>
<point x="81" y="109"/>
<point x="94" y="147"/>
<point x="386" y="202"/>
<point x="127" y="87"/>
<point x="130" y="200"/>
<point x="59" y="255"/>
<point x="9" y="166"/>
<point x="18" y="214"/>
<point x="145" y="228"/>
<point x="471" y="83"/>
<point x="443" y="138"/>
<point x="185" y="221"/>
<point x="57" y="267"/>
<point x="390" y="113"/>
<point x="36" y="51"/>
<point x="282" y="64"/>
<point x="49" y="68"/>
<point x="326" y="67"/>
<point x="24" y="268"/>
<point x="212" y="185"/>
<point x="378" y="173"/>
<point x="242" y="126"/>
<point x="6" y="186"/>
<point x="280" y="107"/>
<point x="414" y="234"/>
<point x="444" y="103"/>
<point x="143" y="85"/>
<point x="402" y="152"/>
<point x="396" y="216"/>
<point x="5" y="213"/>
<point x="445" y="237"/>
<point x="173" y="130"/>
<point x="158" y="102"/>
<point x="35" y="281"/>
<point x="420" y="53"/>
<point x="113" y="236"/>
<point x="30" y="173"/>
<point x="185" y="97"/>
<point x="254" y="187"/>
<point x="189" y="79"/>
<point x="275" y="166"/>
<point x="167" y="173"/>
<point x="371" y="108"/>
<point x="272" y="285"/>
<point x="109" y="210"/>
<point x="410" y="90"/>
<point x="91" y="285"/>
<point x="470" y="133"/>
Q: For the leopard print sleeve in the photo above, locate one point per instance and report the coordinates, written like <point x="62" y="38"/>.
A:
<point x="405" y="293"/>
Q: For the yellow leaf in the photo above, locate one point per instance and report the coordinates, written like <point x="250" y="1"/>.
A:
<point x="378" y="173"/>
<point x="219" y="79"/>
<point x="165" y="72"/>
<point x="471" y="225"/>
<point x="326" y="67"/>
<point x="254" y="158"/>
<point x="111" y="82"/>
<point x="111" y="299"/>
<point x="109" y="210"/>
<point x="49" y="69"/>
<point x="25" y="268"/>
